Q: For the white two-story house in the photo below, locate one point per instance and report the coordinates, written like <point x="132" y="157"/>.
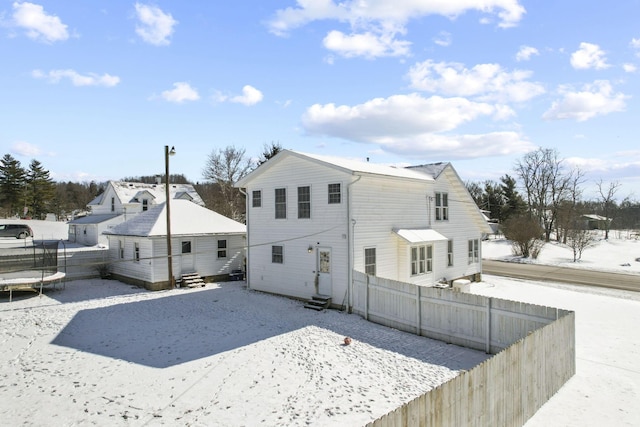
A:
<point x="312" y="220"/>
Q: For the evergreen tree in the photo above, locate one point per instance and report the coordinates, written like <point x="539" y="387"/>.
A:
<point x="12" y="185"/>
<point x="41" y="190"/>
<point x="514" y="204"/>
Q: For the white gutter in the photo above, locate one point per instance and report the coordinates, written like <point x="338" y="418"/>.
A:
<point x="246" y="220"/>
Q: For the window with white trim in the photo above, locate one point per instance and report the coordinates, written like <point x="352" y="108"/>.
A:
<point x="450" y="253"/>
<point x="421" y="260"/>
<point x="113" y="204"/>
<point x="304" y="202"/>
<point x="145" y="205"/>
<point x="186" y="246"/>
<point x="281" y="203"/>
<point x="370" y="261"/>
<point x="277" y="254"/>
<point x="335" y="195"/>
<point x="256" y="198"/>
<point x="136" y="252"/>
<point x="474" y="251"/>
<point x="121" y="249"/>
<point x="442" y="207"/>
<point x="222" y="248"/>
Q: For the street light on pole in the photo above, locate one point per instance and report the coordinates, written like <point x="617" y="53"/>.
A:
<point x="168" y="153"/>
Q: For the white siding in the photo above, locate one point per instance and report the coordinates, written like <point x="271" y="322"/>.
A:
<point x="327" y="227"/>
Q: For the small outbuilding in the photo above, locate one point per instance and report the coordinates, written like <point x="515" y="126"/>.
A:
<point x="203" y="242"/>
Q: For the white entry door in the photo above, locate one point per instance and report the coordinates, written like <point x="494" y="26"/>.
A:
<point x="186" y="259"/>
<point x="324" y="271"/>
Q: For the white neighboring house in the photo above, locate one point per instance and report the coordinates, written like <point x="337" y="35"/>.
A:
<point x="202" y="242"/>
<point x="313" y="219"/>
<point x="121" y="201"/>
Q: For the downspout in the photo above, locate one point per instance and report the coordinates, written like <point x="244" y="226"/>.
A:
<point x="246" y="220"/>
<point x="351" y="223"/>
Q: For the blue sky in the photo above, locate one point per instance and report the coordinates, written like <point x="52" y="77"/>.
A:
<point x="95" y="89"/>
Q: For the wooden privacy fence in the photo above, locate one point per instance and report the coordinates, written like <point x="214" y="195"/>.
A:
<point x="535" y="349"/>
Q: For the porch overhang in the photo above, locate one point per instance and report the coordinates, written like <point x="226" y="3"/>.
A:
<point x="419" y="235"/>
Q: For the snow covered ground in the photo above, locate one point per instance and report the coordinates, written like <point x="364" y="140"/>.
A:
<point x="103" y="352"/>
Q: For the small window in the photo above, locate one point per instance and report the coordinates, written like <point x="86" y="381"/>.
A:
<point x="450" y="253"/>
<point x="222" y="248"/>
<point x="281" y="203"/>
<point x="136" y="252"/>
<point x="256" y="198"/>
<point x="304" y="202"/>
<point x="370" y="261"/>
<point x="113" y="204"/>
<point x="121" y="249"/>
<point x="277" y="255"/>
<point x="474" y="248"/>
<point x="145" y="204"/>
<point x="186" y="247"/>
<point x="335" y="195"/>
<point x="442" y="207"/>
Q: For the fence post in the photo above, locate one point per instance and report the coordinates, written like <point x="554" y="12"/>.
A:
<point x="488" y="343"/>
<point x="366" y="298"/>
<point x="418" y="311"/>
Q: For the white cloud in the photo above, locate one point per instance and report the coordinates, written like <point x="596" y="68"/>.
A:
<point x="250" y="96"/>
<point x="443" y="39"/>
<point x="484" y="81"/>
<point x="39" y="25"/>
<point x="635" y="43"/>
<point x="629" y="68"/>
<point x="77" y="79"/>
<point x="589" y="56"/>
<point x="399" y="12"/>
<point x="368" y="44"/>
<point x="526" y="52"/>
<point x="154" y="25"/>
<point x="594" y="99"/>
<point x="25" y="149"/>
<point x="376" y="24"/>
<point x="180" y="93"/>
<point x="413" y="125"/>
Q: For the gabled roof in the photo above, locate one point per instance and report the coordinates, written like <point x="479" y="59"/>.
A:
<point x="128" y="192"/>
<point x="187" y="219"/>
<point x="431" y="169"/>
<point x="93" y="219"/>
<point x="349" y="166"/>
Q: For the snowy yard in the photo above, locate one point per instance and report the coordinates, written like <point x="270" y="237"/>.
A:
<point x="105" y="353"/>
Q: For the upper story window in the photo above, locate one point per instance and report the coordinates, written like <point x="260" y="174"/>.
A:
<point x="442" y="206"/>
<point x="474" y="251"/>
<point x="450" y="253"/>
<point x="304" y="202"/>
<point x="145" y="204"/>
<point x="370" y="261"/>
<point x="120" y="249"/>
<point x="281" y="203"/>
<point x="335" y="195"/>
<point x="256" y="198"/>
<point x="113" y="204"/>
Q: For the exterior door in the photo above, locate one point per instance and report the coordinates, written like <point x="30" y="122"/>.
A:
<point x="324" y="271"/>
<point x="186" y="259"/>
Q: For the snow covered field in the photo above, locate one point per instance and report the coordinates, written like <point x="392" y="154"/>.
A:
<point x="106" y="353"/>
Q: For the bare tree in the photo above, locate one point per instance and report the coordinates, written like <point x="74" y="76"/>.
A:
<point x="608" y="203"/>
<point x="546" y="184"/>
<point x="224" y="168"/>
<point x="580" y="239"/>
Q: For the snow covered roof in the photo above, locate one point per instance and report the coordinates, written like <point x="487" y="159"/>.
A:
<point x="346" y="165"/>
<point x="130" y="192"/>
<point x="187" y="218"/>
<point x="431" y="169"/>
<point x="419" y="235"/>
<point x="93" y="219"/>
